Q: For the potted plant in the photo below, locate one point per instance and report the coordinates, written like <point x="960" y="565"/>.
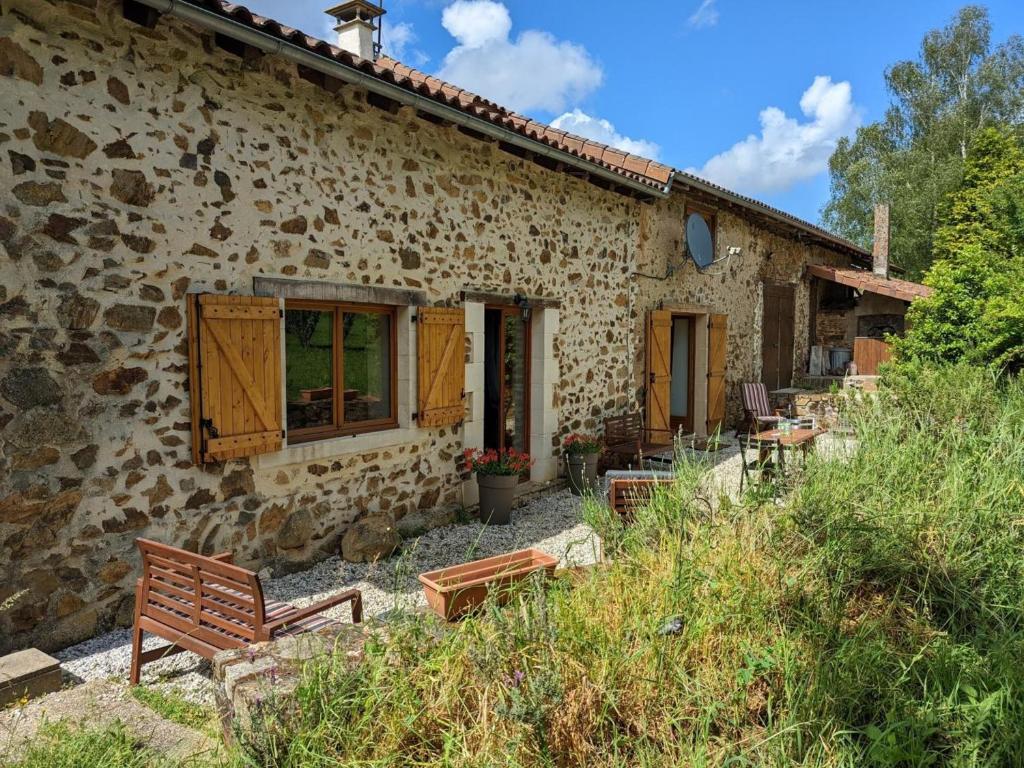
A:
<point x="581" y="452"/>
<point x="497" y="474"/>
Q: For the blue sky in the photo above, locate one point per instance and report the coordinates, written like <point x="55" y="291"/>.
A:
<point x="751" y="94"/>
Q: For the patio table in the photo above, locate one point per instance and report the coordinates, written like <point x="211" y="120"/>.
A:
<point x="796" y="438"/>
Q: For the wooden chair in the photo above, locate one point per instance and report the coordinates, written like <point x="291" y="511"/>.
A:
<point x="757" y="454"/>
<point x="757" y="411"/>
<point x="625" y="494"/>
<point x="207" y="604"/>
<point x="626" y="436"/>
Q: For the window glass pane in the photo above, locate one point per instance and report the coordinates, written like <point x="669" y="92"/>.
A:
<point x="309" y="373"/>
<point x="366" y="357"/>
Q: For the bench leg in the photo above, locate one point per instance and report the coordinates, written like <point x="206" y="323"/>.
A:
<point x="136" y="667"/>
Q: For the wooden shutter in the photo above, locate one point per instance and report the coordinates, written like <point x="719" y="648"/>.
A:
<point x="234" y="376"/>
<point x="717" y="347"/>
<point x="441" y="345"/>
<point x="659" y="373"/>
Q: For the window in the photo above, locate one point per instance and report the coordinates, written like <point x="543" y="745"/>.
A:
<point x="340" y="363"/>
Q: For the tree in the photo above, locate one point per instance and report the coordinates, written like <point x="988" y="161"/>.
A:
<point x="982" y="211"/>
<point x="913" y="158"/>
<point x="976" y="311"/>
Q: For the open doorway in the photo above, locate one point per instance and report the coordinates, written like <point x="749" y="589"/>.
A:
<point x="506" y="378"/>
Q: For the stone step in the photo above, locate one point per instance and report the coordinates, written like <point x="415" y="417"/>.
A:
<point x="98" y="704"/>
<point x="29" y="673"/>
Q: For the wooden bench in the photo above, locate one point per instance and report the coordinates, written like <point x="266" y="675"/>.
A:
<point x="207" y="604"/>
<point x="626" y="436"/>
<point x="625" y="494"/>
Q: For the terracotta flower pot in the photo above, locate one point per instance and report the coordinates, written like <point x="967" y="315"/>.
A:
<point x="497" y="493"/>
<point x="455" y="591"/>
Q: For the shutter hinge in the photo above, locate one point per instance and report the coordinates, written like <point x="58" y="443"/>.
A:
<point x="284" y="434"/>
<point x="280" y="312"/>
<point x="207" y="424"/>
<point x="414" y="319"/>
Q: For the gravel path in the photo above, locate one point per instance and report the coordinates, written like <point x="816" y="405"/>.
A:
<point x="551" y="523"/>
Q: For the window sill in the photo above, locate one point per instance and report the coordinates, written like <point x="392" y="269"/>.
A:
<point x="335" y="447"/>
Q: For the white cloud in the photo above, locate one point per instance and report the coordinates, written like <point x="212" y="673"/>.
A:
<point x="787" y="151"/>
<point x="706" y="15"/>
<point x="601" y="130"/>
<point x="398" y="42"/>
<point x="534" y="71"/>
<point x="477" y="22"/>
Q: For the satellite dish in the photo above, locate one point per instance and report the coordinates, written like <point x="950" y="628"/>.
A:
<point x="699" y="245"/>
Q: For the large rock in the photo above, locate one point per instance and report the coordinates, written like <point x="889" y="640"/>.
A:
<point x="130" y="317"/>
<point x="29" y="387"/>
<point x="422" y="520"/>
<point x="369" y="539"/>
<point x="296" y="531"/>
<point x="59" y="136"/>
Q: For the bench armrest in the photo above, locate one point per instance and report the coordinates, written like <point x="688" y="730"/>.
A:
<point x="353" y="595"/>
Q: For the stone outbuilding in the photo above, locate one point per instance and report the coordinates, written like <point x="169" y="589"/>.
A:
<point x="257" y="287"/>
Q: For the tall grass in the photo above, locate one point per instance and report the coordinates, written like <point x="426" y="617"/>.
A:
<point x="875" y="618"/>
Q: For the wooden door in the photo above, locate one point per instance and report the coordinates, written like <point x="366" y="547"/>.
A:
<point x="718" y="336"/>
<point x="659" y="372"/>
<point x="777" y="329"/>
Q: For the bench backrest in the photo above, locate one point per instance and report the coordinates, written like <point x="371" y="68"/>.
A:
<point x="209" y="600"/>
<point x="625" y="494"/>
<point x="623" y="430"/>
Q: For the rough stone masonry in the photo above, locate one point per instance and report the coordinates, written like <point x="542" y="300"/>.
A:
<point x="141" y="164"/>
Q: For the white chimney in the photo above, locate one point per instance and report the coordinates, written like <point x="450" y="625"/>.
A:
<point x="355" y="27"/>
<point x="880" y="247"/>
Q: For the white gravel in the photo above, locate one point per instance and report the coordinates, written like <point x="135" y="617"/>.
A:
<point x="551" y="523"/>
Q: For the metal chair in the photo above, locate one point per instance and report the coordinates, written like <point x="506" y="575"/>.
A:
<point x="762" y="459"/>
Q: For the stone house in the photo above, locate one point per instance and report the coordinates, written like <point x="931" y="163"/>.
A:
<point x="256" y="287"/>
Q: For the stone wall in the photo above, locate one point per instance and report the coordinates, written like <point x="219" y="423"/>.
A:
<point x="140" y="165"/>
<point x="733" y="286"/>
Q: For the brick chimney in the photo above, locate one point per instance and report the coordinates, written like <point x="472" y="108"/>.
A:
<point x="880" y="248"/>
<point x="356" y="27"/>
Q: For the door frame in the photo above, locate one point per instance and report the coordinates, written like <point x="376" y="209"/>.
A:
<point x="506" y="310"/>
<point x="687" y="422"/>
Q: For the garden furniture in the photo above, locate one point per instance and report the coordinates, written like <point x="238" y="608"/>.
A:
<point x="207" y="604"/>
<point x="756" y="455"/>
<point x="626" y="494"/>
<point x="757" y="411"/>
<point x="626" y="436"/>
<point x="798" y="438"/>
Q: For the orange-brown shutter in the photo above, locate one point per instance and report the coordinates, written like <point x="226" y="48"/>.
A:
<point x="234" y="376"/>
<point x="441" y="344"/>
<point x="659" y="374"/>
<point x="717" y="347"/>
